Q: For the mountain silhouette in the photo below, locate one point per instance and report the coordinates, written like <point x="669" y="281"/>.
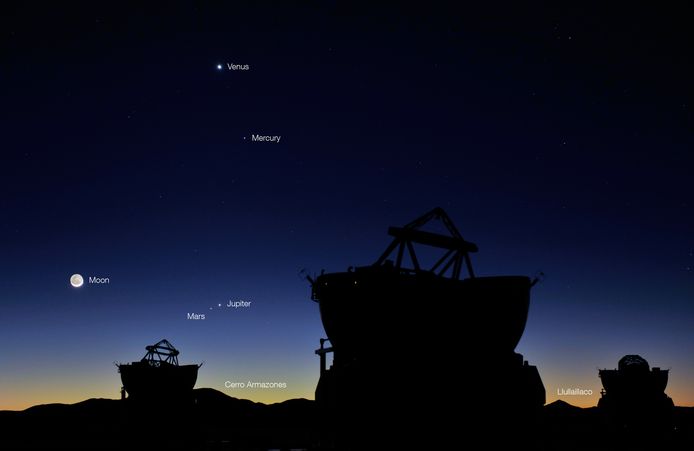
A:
<point x="213" y="421"/>
<point x="217" y="421"/>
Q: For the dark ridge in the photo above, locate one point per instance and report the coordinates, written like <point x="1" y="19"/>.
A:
<point x="213" y="420"/>
<point x="559" y="405"/>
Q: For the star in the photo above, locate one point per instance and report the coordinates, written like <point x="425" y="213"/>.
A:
<point x="219" y="67"/>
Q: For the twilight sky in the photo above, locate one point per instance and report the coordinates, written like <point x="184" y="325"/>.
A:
<point x="557" y="140"/>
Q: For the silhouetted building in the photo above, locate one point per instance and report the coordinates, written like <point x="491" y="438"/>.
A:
<point x="634" y="396"/>
<point x="158" y="376"/>
<point x="386" y="361"/>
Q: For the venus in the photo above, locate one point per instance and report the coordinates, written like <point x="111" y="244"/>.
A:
<point x="76" y="280"/>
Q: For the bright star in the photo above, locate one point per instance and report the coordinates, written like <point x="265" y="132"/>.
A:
<point x="219" y="67"/>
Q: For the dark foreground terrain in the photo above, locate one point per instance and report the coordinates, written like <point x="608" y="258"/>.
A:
<point x="566" y="427"/>
<point x="213" y="421"/>
<point x="218" y="422"/>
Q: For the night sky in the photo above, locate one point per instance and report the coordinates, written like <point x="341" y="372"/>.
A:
<point x="558" y="141"/>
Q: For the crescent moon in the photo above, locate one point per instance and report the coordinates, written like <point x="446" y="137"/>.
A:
<point x="76" y="280"/>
